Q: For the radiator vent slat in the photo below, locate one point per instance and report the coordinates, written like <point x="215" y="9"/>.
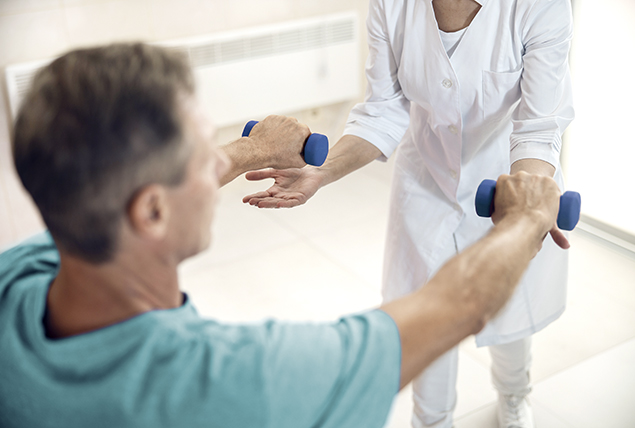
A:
<point x="314" y="36"/>
<point x="23" y="81"/>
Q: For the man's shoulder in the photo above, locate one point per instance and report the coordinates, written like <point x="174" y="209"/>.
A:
<point x="30" y="259"/>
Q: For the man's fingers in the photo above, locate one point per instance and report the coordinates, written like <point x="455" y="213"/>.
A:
<point x="559" y="238"/>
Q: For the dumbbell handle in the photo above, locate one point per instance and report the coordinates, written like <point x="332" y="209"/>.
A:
<point x="315" y="149"/>
<point x="568" y="215"/>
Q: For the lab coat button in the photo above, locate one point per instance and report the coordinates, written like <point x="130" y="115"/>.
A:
<point x="453" y="129"/>
<point x="453" y="173"/>
<point x="447" y="83"/>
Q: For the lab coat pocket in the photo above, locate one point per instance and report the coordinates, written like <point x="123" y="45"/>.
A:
<point x="501" y="93"/>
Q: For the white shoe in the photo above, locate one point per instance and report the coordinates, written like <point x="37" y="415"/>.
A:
<point x="514" y="411"/>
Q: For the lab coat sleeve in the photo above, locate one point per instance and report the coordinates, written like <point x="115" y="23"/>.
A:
<point x="383" y="117"/>
<point x="546" y="106"/>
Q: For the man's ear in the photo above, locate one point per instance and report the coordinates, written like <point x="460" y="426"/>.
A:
<point x="149" y="212"/>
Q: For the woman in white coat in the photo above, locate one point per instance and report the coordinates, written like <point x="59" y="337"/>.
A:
<point x="468" y="90"/>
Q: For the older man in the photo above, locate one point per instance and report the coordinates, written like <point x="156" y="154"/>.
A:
<point x="94" y="331"/>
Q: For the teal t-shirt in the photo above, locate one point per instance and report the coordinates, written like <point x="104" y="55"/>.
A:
<point x="171" y="368"/>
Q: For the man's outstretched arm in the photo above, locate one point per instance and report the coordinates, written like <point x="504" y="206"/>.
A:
<point x="276" y="142"/>
<point x="471" y="288"/>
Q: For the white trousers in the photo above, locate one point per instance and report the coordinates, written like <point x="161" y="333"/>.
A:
<point x="435" y="393"/>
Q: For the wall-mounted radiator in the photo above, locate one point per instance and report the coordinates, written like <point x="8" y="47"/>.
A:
<point x="254" y="72"/>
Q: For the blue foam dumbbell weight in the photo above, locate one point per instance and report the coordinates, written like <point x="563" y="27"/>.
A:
<point x="568" y="215"/>
<point x="316" y="147"/>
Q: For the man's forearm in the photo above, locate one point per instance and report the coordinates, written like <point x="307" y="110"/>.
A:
<point x="349" y="154"/>
<point x="275" y="142"/>
<point x="243" y="158"/>
<point x="545" y="169"/>
<point x="464" y="294"/>
<point x="533" y="166"/>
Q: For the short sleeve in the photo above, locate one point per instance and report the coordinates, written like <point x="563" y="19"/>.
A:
<point x="383" y="118"/>
<point x="37" y="254"/>
<point x="546" y="106"/>
<point x="337" y="375"/>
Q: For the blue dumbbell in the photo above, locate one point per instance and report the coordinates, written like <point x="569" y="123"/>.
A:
<point x="315" y="150"/>
<point x="568" y="215"/>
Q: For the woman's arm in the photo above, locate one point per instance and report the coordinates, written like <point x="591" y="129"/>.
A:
<point x="546" y="106"/>
<point x="374" y="129"/>
<point x="293" y="187"/>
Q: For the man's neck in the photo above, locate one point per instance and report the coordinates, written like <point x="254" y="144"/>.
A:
<point x="85" y="296"/>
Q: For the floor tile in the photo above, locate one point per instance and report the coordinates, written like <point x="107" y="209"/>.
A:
<point x="595" y="393"/>
<point x="401" y="412"/>
<point x="485" y="417"/>
<point x="293" y="282"/>
<point x="599" y="266"/>
<point x="350" y="199"/>
<point x="379" y="170"/>
<point x="358" y="246"/>
<point x="592" y="323"/>
<point x="239" y="230"/>
<point x="598" y="315"/>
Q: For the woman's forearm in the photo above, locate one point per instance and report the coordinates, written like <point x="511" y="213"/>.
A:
<point x="348" y="155"/>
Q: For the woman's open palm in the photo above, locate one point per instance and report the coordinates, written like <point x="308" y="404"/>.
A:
<point x="292" y="187"/>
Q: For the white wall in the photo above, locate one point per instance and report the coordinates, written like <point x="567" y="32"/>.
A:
<point x="37" y="29"/>
<point x="599" y="159"/>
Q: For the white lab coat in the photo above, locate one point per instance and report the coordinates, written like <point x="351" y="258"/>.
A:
<point x="504" y="95"/>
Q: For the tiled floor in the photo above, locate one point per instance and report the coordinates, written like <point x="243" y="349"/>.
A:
<point x="322" y="260"/>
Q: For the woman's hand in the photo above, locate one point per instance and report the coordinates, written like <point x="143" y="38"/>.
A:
<point x="292" y="187"/>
